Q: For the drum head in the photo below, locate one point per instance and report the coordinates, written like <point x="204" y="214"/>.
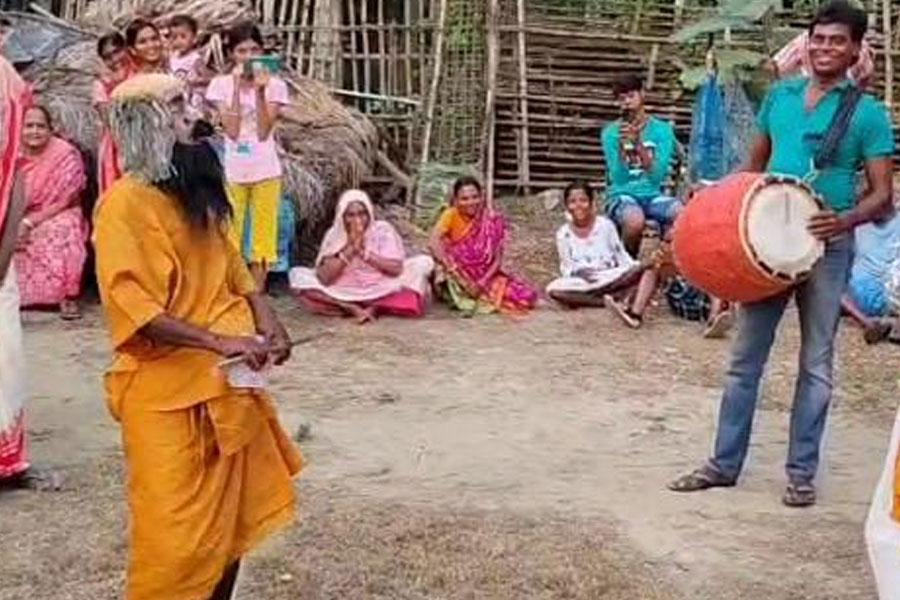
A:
<point x="777" y="214"/>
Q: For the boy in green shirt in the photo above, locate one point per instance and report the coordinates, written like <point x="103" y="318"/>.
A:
<point x="638" y="150"/>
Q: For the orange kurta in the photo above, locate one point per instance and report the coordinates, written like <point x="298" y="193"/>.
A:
<point x="209" y="467"/>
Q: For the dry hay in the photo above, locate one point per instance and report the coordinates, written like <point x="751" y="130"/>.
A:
<point x="326" y="148"/>
<point x="65" y="87"/>
<point x="211" y="16"/>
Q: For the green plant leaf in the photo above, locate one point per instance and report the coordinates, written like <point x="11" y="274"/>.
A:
<point x="731" y="64"/>
<point x="709" y="25"/>
<point x="752" y="10"/>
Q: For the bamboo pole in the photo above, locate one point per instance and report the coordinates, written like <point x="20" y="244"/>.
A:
<point x="489" y="133"/>
<point x="293" y="38"/>
<point x="408" y="89"/>
<point x="435" y="81"/>
<point x="301" y="39"/>
<point x="651" y="66"/>
<point x="524" y="165"/>
<point x="351" y="4"/>
<point x="382" y="54"/>
<point x="888" y="56"/>
<point x="367" y="71"/>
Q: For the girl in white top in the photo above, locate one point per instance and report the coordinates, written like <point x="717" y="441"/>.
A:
<point x="594" y="266"/>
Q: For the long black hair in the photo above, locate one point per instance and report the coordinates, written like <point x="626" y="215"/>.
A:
<point x="198" y="182"/>
<point x="135" y="28"/>
<point x="240" y="33"/>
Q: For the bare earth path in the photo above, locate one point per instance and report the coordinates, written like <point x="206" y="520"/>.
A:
<point x="485" y="458"/>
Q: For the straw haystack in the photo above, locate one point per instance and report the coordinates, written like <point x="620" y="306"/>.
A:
<point x="210" y="15"/>
<point x="326" y="146"/>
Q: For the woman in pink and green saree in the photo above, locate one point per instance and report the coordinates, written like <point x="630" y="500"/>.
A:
<point x="467" y="243"/>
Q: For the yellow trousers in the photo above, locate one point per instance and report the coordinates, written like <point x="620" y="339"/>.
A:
<point x="261" y="199"/>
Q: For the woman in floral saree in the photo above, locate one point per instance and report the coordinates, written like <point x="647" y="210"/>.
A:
<point x="467" y="242"/>
<point x="52" y="241"/>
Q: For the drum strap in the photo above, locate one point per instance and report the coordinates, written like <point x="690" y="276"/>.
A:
<point x="837" y="128"/>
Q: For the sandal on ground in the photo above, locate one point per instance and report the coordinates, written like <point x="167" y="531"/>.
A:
<point x="629" y="318"/>
<point x="720" y="325"/>
<point x="703" y="478"/>
<point x="799" y="494"/>
<point x="69" y="311"/>
<point x="35" y="480"/>
<point x="877" y="332"/>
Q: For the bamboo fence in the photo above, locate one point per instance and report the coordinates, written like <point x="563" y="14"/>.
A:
<point x="519" y="88"/>
<point x="558" y="62"/>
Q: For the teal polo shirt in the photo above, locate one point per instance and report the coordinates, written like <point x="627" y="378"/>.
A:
<point x="628" y="177"/>
<point x="796" y="135"/>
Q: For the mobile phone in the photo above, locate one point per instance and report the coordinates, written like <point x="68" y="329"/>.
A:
<point x="271" y="63"/>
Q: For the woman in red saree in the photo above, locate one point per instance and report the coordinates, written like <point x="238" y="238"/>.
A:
<point x="139" y="51"/>
<point x="14" y="95"/>
<point x="52" y="242"/>
<point x="467" y="242"/>
<point x="114" y="54"/>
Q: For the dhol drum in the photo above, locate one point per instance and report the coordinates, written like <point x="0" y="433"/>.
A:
<point x="745" y="237"/>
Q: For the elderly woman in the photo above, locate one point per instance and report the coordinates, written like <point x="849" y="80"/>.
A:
<point x="468" y="242"/>
<point x="51" y="248"/>
<point x="362" y="270"/>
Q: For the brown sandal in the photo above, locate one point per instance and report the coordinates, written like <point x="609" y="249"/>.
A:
<point x="701" y="479"/>
<point x="799" y="494"/>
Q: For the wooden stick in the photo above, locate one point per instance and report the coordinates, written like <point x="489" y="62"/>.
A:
<point x="384" y="97"/>
<point x="888" y="56"/>
<point x="435" y="82"/>
<point x="399" y="176"/>
<point x="524" y="166"/>
<point x="353" y="33"/>
<point x="408" y="88"/>
<point x="294" y="343"/>
<point x="489" y="133"/>
<point x="301" y="47"/>
<point x="651" y="66"/>
<point x="382" y="53"/>
<point x="367" y="71"/>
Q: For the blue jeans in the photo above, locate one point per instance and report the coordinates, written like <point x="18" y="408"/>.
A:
<point x="661" y="209"/>
<point x="819" y="305"/>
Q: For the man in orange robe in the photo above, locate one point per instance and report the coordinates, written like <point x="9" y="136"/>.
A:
<point x="209" y="467"/>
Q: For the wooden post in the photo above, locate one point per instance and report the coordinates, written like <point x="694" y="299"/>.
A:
<point x="525" y="164"/>
<point x="435" y="82"/>
<point x="651" y="66"/>
<point x="679" y="13"/>
<point x="488" y="135"/>
<point x="638" y="14"/>
<point x="382" y="52"/>
<point x="888" y="54"/>
<point x="351" y="4"/>
<point x="367" y="71"/>
<point x="408" y="89"/>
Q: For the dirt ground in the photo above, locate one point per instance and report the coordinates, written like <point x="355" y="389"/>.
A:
<point x="487" y="458"/>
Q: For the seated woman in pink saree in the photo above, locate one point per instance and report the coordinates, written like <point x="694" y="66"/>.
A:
<point x="362" y="269"/>
<point x="52" y="243"/>
<point x="467" y="243"/>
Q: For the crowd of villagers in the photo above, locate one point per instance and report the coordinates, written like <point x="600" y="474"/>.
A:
<point x="362" y="269"/>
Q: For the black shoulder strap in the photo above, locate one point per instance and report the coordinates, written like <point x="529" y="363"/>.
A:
<point x="838" y="127"/>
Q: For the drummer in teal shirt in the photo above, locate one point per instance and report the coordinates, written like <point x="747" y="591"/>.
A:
<point x="796" y="133"/>
<point x="792" y="124"/>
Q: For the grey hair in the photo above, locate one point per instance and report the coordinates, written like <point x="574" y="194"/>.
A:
<point x="145" y="137"/>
